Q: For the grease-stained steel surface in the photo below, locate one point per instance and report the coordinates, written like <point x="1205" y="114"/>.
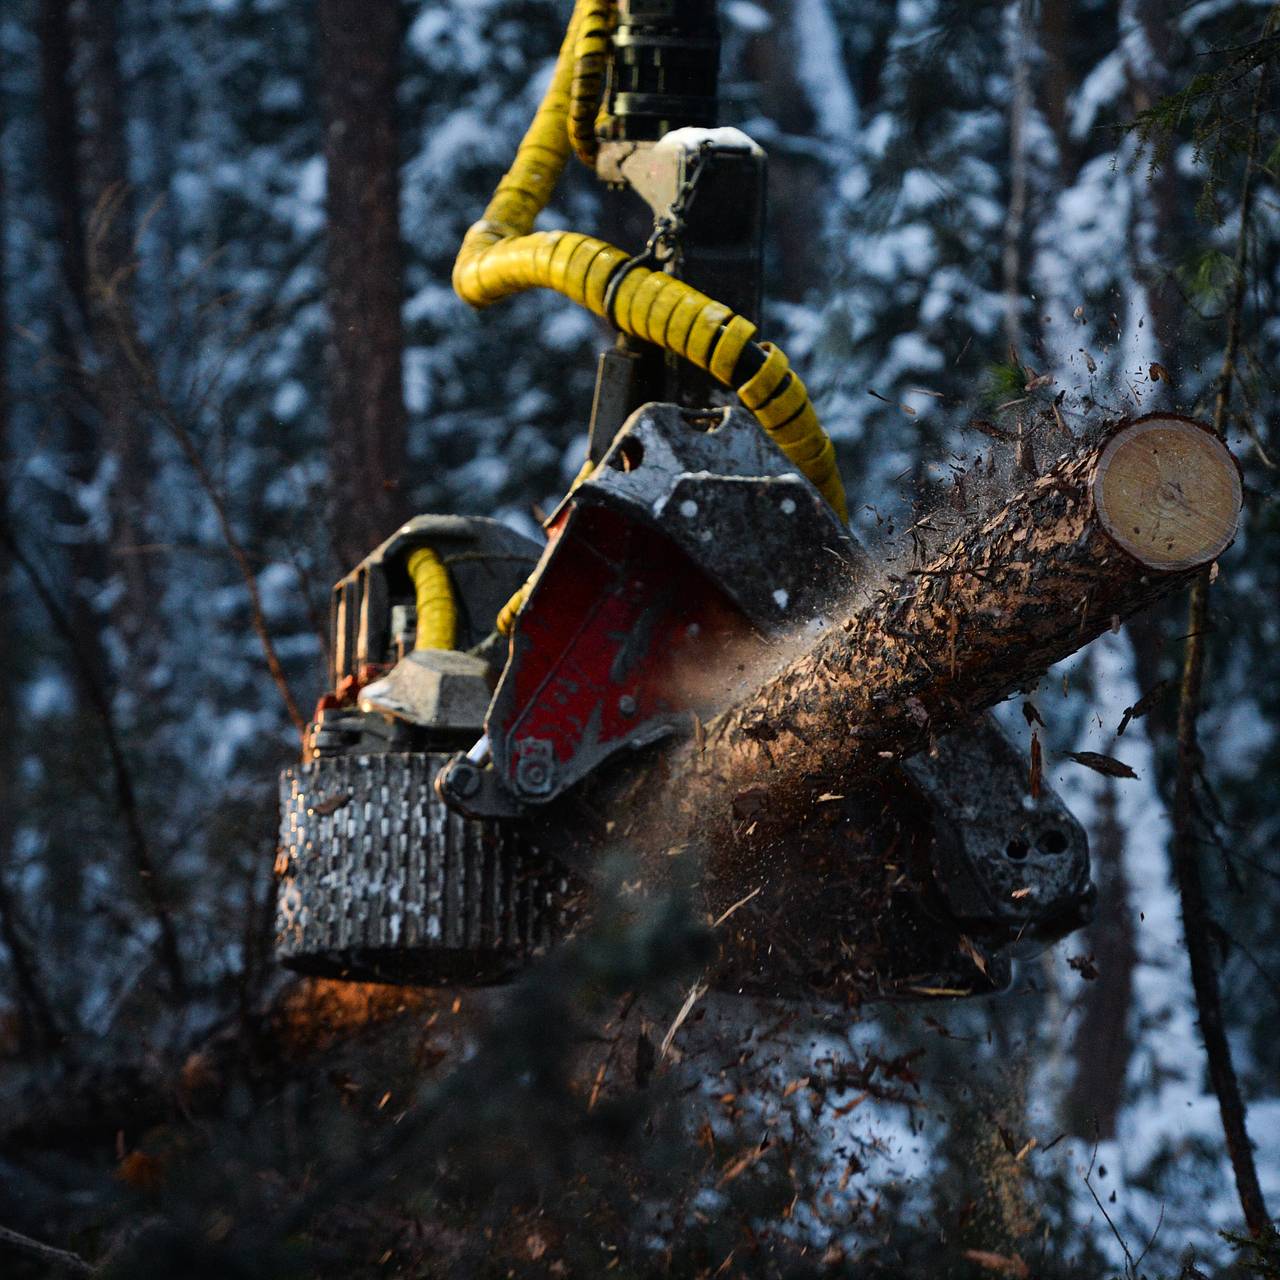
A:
<point x="1004" y="861"/>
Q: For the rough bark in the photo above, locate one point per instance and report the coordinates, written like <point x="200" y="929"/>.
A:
<point x="1026" y="586"/>
<point x="1056" y="21"/>
<point x="359" y="45"/>
<point x="1158" y="203"/>
<point x="38" y="1022"/>
<point x="109" y="262"/>
<point x="70" y="415"/>
<point x="1102" y="1042"/>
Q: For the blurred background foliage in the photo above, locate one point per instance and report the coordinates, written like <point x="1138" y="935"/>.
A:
<point x="965" y="197"/>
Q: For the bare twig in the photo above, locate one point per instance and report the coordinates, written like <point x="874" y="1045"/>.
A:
<point x="239" y="555"/>
<point x="107" y="278"/>
<point x="35" y="1010"/>
<point x="60" y="1258"/>
<point x="33" y="1004"/>
<point x="628" y="1003"/>
<point x="164" y="409"/>
<point x="1185" y="852"/>
<point x="1129" y="1269"/>
<point x="121" y="774"/>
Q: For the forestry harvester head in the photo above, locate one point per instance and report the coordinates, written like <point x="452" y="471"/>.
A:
<point x="482" y="684"/>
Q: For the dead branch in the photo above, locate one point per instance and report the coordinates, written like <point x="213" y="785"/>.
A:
<point x="1196" y="919"/>
<point x="149" y="392"/>
<point x="60" y="1258"/>
<point x="121" y="774"/>
<point x="155" y="399"/>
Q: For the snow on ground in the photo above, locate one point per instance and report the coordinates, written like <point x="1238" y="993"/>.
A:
<point x="1155" y="1167"/>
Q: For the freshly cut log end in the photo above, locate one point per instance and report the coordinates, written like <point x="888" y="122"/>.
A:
<point x="1168" y="493"/>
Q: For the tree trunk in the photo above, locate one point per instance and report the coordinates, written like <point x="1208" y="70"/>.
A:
<point x="1197" y="918"/>
<point x="359" y="47"/>
<point x="109" y="260"/>
<point x="1102" y="1041"/>
<point x="1018" y="52"/>
<point x="1157" y="200"/>
<point x="37" y="1020"/>
<point x="1056" y="20"/>
<point x="1102" y="534"/>
<point x="805" y="92"/>
<point x="76" y="434"/>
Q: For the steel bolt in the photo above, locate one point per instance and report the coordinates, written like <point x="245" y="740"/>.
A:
<point x="627" y="705"/>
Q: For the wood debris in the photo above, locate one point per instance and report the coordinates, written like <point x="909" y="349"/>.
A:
<point x="1100" y="763"/>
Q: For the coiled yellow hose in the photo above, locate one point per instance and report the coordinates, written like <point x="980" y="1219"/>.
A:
<point x="507" y="614"/>
<point x="501" y="255"/>
<point x="671" y="314"/>
<point x="437" y="609"/>
<point x="586" y="92"/>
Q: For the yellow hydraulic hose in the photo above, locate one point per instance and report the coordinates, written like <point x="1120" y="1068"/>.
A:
<point x="501" y="255"/>
<point x="507" y="614"/>
<point x="437" y="609"/>
<point x="658" y="308"/>
<point x="586" y="92"/>
<point x="526" y="187"/>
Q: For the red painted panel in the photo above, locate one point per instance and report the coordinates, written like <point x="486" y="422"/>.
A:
<point x="621" y="629"/>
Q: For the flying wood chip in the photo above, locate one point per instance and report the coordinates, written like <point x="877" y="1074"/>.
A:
<point x="750" y="802"/>
<point x="999" y="1263"/>
<point x="990" y="429"/>
<point x="1143" y="705"/>
<point x="1109" y="765"/>
<point x="331" y="804"/>
<point x="967" y="948"/>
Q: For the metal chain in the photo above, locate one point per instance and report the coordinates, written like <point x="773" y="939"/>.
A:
<point x="669" y="229"/>
<point x="664" y="245"/>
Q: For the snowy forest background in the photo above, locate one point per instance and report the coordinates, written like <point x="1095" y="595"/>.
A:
<point x="187" y="460"/>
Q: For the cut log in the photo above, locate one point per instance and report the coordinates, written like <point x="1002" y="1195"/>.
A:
<point x="1100" y="536"/>
<point x="1167" y="493"/>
